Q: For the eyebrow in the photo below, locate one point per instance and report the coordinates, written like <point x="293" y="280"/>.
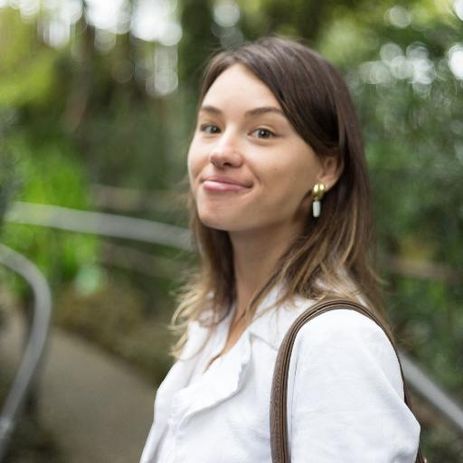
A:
<point x="252" y="112"/>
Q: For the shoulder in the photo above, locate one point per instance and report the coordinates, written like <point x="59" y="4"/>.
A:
<point x="273" y="323"/>
<point x="348" y="343"/>
<point x="343" y="325"/>
<point x="338" y="325"/>
<point x="345" y="381"/>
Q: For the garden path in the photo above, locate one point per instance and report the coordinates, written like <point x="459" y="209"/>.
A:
<point x="97" y="407"/>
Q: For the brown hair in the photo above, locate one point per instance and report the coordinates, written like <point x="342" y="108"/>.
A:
<point x="332" y="256"/>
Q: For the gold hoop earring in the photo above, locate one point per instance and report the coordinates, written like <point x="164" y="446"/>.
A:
<point x="318" y="191"/>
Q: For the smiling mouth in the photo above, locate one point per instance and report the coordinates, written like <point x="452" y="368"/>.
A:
<point x="223" y="185"/>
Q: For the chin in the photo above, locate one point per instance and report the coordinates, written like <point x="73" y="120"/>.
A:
<point x="223" y="220"/>
<point x="216" y="223"/>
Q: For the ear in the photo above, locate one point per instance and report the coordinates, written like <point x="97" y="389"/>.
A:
<point x="331" y="169"/>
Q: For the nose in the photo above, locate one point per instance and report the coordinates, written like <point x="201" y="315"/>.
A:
<point x="225" y="154"/>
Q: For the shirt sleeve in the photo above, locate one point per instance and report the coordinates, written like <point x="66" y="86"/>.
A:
<point x="346" y="401"/>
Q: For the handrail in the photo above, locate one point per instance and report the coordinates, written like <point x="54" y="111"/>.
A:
<point x="35" y="345"/>
<point x="153" y="232"/>
<point x="429" y="390"/>
<point x="99" y="223"/>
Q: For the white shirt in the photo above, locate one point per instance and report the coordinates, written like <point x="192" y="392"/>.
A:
<point x="345" y="394"/>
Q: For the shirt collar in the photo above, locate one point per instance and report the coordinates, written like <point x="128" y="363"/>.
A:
<point x="272" y="321"/>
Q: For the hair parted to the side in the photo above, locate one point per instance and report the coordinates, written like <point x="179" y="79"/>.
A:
<point x="332" y="258"/>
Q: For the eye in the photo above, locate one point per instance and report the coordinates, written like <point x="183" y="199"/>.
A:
<point x="263" y="133"/>
<point x="209" y="128"/>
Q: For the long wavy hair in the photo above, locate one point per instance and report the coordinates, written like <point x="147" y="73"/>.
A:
<point x="332" y="257"/>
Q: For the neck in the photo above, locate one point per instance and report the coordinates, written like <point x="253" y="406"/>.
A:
<point x="255" y="257"/>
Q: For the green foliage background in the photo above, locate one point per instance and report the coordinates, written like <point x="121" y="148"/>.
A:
<point x="76" y="118"/>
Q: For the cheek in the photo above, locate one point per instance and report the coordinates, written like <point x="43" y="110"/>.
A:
<point x="305" y="168"/>
<point x="295" y="176"/>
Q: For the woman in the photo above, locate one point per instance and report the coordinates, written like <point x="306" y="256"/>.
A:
<point x="280" y="213"/>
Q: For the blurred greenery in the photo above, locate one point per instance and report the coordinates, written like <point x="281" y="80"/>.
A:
<point x="49" y="172"/>
<point x="99" y="118"/>
<point x="6" y="181"/>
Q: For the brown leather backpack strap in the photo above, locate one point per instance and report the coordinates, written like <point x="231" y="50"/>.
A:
<point x="278" y="410"/>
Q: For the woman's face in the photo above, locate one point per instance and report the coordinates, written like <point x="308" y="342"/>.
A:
<point x="248" y="168"/>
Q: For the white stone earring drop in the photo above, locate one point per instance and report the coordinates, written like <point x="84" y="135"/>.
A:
<point x="318" y="192"/>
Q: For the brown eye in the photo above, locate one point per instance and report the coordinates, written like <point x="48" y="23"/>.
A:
<point x="209" y="128"/>
<point x="263" y="133"/>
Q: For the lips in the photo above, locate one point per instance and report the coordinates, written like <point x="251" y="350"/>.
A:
<point x="219" y="183"/>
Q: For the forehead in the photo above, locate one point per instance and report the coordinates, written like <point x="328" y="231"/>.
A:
<point x="237" y="85"/>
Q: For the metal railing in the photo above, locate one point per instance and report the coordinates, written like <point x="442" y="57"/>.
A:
<point x="112" y="225"/>
<point x="98" y="223"/>
<point x="35" y="344"/>
<point x="440" y="400"/>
